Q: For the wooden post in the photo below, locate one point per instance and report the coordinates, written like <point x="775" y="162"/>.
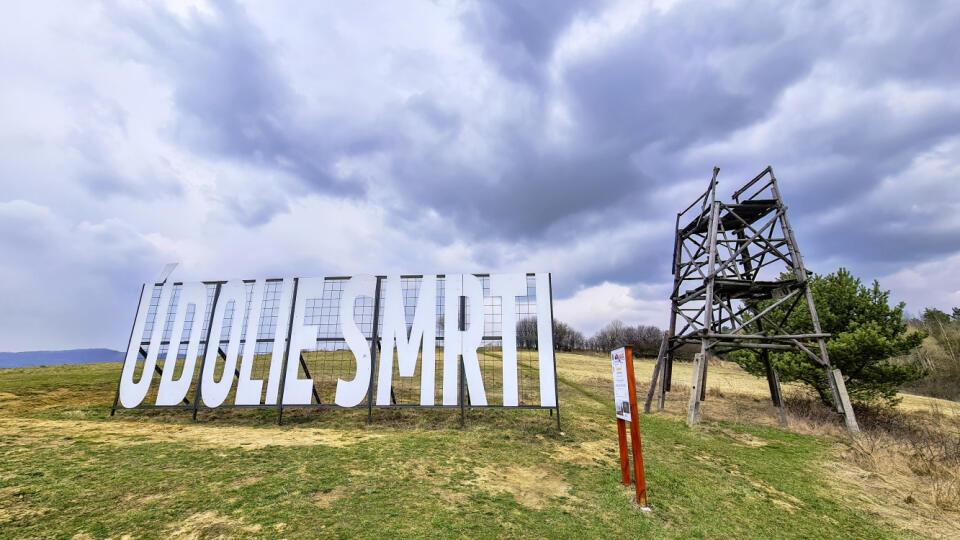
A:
<point x="700" y="370"/>
<point x="703" y="377"/>
<point x="638" y="475"/>
<point x="848" y="417"/>
<point x="693" y="412"/>
<point x="661" y="358"/>
<point x="776" y="395"/>
<point x="624" y="453"/>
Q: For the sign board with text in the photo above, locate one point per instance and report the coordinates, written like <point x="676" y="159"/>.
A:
<point x="453" y="340"/>
<point x="621" y="388"/>
<point x="625" y="400"/>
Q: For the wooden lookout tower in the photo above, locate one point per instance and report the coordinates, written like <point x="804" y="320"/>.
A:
<point x="728" y="265"/>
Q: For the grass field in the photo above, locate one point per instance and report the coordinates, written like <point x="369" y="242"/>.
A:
<point x="67" y="469"/>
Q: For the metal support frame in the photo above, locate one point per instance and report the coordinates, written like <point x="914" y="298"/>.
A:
<point x="724" y="256"/>
<point x="286" y="353"/>
<point x="462" y="326"/>
<point x="556" y="392"/>
<point x="374" y="347"/>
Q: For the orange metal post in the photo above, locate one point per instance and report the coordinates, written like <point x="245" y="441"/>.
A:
<point x="641" y="482"/>
<point x="624" y="456"/>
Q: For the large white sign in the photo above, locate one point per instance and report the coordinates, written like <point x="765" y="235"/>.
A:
<point x="621" y="390"/>
<point x="170" y="318"/>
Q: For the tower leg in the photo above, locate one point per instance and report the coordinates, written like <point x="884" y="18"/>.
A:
<point x="693" y="408"/>
<point x="664" y="381"/>
<point x="703" y="377"/>
<point x="775" y="394"/>
<point x="653" y="385"/>
<point x="848" y="417"/>
<point x="661" y="359"/>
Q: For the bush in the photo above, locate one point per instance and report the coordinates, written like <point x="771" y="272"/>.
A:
<point x="866" y="334"/>
<point x="940" y="354"/>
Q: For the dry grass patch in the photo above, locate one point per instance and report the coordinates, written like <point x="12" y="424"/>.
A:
<point x="895" y="497"/>
<point x="122" y="433"/>
<point x="14" y="506"/>
<point x="210" y="524"/>
<point x="588" y="452"/>
<point x="136" y="499"/>
<point x="454" y="498"/>
<point x="60" y="398"/>
<point x="530" y="486"/>
<point x="244" y="482"/>
<point x="743" y="439"/>
<point x="325" y="499"/>
<point x="914" y="455"/>
<point x="722" y="405"/>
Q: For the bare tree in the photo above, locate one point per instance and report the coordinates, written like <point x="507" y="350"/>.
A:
<point x="616" y="334"/>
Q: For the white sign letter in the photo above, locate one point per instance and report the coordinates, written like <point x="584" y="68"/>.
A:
<point x="465" y="342"/>
<point x="350" y="393"/>
<point x="509" y="287"/>
<point x="248" y="391"/>
<point x="214" y="392"/>
<point x="548" y="384"/>
<point x="172" y="392"/>
<point x="296" y="391"/>
<point x="132" y="393"/>
<point x="424" y="330"/>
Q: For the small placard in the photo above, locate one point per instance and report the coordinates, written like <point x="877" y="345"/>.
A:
<point x="621" y="391"/>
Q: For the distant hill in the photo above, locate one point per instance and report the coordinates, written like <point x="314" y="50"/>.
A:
<point x="50" y="358"/>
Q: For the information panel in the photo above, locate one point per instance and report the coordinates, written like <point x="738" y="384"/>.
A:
<point x="621" y="389"/>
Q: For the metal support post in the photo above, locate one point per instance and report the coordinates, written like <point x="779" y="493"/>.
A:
<point x="556" y="392"/>
<point x="462" y="325"/>
<point x="286" y="353"/>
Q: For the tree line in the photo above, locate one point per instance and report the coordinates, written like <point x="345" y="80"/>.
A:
<point x="938" y="356"/>
<point x="643" y="338"/>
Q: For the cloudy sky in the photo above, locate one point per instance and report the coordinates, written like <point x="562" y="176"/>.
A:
<point x="302" y="138"/>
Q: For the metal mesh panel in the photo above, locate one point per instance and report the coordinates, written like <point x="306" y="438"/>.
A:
<point x="331" y="359"/>
<point x="490" y="352"/>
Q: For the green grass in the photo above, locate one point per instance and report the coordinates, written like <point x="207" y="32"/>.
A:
<point x="67" y="468"/>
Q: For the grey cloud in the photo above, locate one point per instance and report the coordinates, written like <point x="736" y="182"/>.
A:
<point x="912" y="44"/>
<point x="253" y="209"/>
<point x="653" y="91"/>
<point x="684" y="78"/>
<point x="99" y="140"/>
<point x="75" y="284"/>
<point x="519" y="36"/>
<point x="661" y="91"/>
<point x="232" y="99"/>
<point x="440" y="119"/>
<point x="539" y="191"/>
